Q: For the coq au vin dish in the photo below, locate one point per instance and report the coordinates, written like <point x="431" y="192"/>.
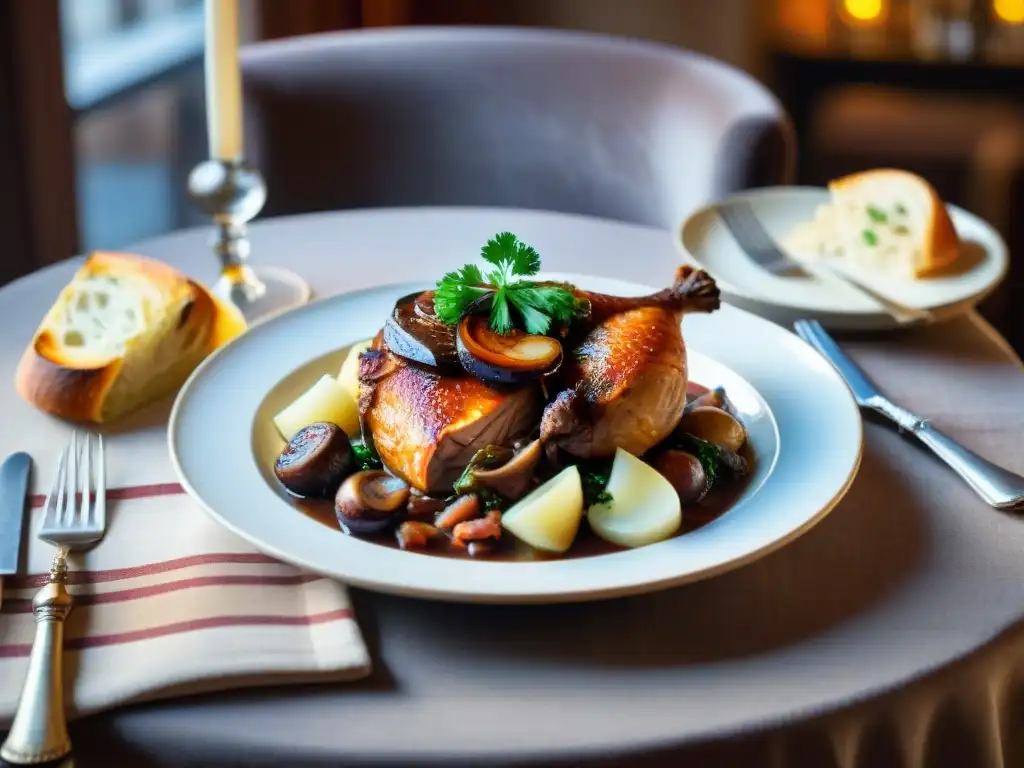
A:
<point x="497" y="416"/>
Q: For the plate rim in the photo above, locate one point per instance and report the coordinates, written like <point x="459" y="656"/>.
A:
<point x="578" y="595"/>
<point x="866" y="319"/>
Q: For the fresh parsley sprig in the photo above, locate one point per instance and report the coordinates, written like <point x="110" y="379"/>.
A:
<point x="536" y="306"/>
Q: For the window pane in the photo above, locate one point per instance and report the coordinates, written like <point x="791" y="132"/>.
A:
<point x="133" y="76"/>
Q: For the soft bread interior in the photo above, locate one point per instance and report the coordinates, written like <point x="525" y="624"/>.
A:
<point x="159" y="359"/>
<point x="96" y="317"/>
<point x="883" y="222"/>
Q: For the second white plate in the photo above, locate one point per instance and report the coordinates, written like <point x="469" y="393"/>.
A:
<point x="704" y="240"/>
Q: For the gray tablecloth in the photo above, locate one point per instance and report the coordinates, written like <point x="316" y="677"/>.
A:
<point x="805" y="658"/>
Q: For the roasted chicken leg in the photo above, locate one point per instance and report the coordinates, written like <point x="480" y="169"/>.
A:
<point x="624" y="385"/>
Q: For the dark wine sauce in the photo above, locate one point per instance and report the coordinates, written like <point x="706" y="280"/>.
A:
<point x="586" y="544"/>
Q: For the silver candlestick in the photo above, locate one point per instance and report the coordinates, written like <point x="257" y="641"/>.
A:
<point x="231" y="193"/>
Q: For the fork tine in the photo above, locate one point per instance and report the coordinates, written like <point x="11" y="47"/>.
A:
<point x="813" y="333"/>
<point x="100" y="506"/>
<point x="754" y="229"/>
<point x="67" y="512"/>
<point x="85" y="511"/>
<point x="55" y="498"/>
<point x="740" y="217"/>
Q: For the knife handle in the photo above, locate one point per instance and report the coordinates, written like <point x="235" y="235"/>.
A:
<point x="39" y="732"/>
<point x="999" y="487"/>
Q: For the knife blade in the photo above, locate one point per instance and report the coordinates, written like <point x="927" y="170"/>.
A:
<point x="14" y="474"/>
<point x="863" y="389"/>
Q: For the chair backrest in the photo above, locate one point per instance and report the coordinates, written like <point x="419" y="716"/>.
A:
<point x="563" y="121"/>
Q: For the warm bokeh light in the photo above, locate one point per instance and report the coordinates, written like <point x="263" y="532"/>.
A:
<point x="864" y="10"/>
<point x="1010" y="11"/>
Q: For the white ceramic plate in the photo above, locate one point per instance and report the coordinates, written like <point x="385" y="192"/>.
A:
<point x="804" y="428"/>
<point x="705" y="240"/>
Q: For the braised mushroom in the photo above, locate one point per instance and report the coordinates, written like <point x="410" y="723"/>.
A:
<point x="512" y="358"/>
<point x="686" y="474"/>
<point x="716" y="426"/>
<point x="423" y="507"/>
<point x="370" y="501"/>
<point x="414" y="332"/>
<point x="315" y="461"/>
<point x="510" y="480"/>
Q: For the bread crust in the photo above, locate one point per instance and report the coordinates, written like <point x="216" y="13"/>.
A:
<point x="77" y="388"/>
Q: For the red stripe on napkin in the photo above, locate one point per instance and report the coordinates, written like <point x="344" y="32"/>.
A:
<point x="128" y="492"/>
<point x="117" y="574"/>
<point x="24" y="605"/>
<point x="16" y="650"/>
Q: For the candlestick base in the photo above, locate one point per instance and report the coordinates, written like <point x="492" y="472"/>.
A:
<point x="232" y="194"/>
<point x="262" y="292"/>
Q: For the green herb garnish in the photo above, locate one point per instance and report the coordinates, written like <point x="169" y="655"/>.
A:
<point x="534" y="306"/>
<point x="717" y="462"/>
<point x="899" y="229"/>
<point x="869" y="237"/>
<point x="594" y="476"/>
<point x="876" y="214"/>
<point x="365" y="458"/>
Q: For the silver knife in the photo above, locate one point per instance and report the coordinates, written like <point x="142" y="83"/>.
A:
<point x="14" y="474"/>
<point x="999" y="487"/>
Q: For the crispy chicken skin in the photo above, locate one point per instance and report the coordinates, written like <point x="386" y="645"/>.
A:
<point x="625" y="383"/>
<point x="426" y="424"/>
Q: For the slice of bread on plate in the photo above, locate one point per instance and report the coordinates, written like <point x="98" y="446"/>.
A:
<point x="881" y="220"/>
<point x="125" y="332"/>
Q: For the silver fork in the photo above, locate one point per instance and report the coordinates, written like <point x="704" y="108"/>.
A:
<point x="757" y="243"/>
<point x="75" y="516"/>
<point x="999" y="487"/>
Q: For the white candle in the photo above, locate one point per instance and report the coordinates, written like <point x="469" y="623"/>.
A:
<point x="223" y="80"/>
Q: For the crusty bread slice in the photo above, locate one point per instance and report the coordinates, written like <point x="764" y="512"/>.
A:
<point x="883" y="220"/>
<point x="125" y="332"/>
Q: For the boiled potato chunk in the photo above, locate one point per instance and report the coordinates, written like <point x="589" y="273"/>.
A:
<point x="326" y="400"/>
<point x="549" y="516"/>
<point x="348" y="376"/>
<point x="644" y="506"/>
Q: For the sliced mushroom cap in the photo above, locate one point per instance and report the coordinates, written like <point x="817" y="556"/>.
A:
<point x="716" y="426"/>
<point x="414" y="332"/>
<point x="370" y="501"/>
<point x="512" y="358"/>
<point x="315" y="461"/>
<point x="513" y="479"/>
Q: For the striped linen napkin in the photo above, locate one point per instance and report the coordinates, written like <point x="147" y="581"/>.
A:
<point x="171" y="603"/>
